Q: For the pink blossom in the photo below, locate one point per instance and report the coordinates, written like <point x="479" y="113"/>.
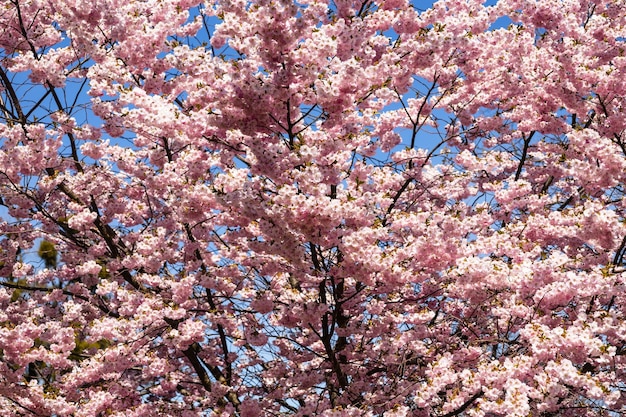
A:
<point x="312" y="208"/>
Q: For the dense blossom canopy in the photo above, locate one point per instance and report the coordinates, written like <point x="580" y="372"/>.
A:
<point x="313" y="208"/>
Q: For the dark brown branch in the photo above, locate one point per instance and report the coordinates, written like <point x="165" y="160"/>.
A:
<point x="396" y="198"/>
<point x="13" y="96"/>
<point x="215" y="371"/>
<point x="70" y="135"/>
<point x="465" y="405"/>
<point x="102" y="307"/>
<point x="524" y="154"/>
<point x="619" y="253"/>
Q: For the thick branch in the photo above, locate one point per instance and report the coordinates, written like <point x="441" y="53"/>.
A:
<point x="524" y="154"/>
<point x="465" y="405"/>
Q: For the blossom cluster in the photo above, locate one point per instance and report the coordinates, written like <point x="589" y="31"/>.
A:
<point x="312" y="208"/>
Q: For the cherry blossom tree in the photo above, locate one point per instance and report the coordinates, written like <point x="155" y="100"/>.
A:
<point x="312" y="208"/>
